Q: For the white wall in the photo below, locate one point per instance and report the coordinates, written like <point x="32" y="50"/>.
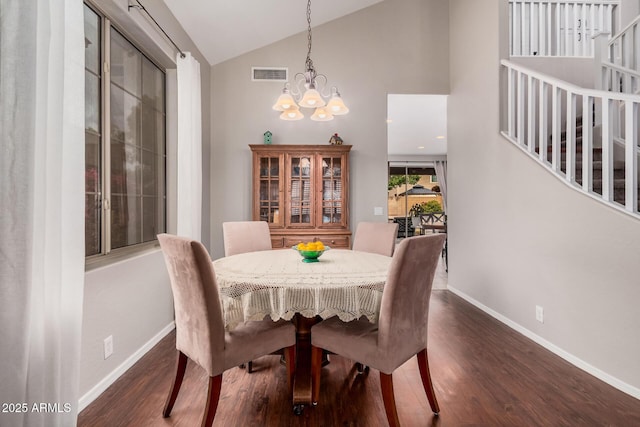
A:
<point x="519" y="237"/>
<point x="131" y="299"/>
<point x="397" y="46"/>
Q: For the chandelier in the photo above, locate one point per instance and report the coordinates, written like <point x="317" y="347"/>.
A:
<point x="306" y="91"/>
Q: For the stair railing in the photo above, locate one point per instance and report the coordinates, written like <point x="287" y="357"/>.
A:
<point x="617" y="78"/>
<point x="558" y="27"/>
<point x="619" y="64"/>
<point x="623" y="47"/>
<point x="571" y="131"/>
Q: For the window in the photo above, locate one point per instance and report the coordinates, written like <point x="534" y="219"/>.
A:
<point x="125" y="196"/>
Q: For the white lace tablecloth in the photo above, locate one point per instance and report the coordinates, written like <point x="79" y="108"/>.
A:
<point x="276" y="283"/>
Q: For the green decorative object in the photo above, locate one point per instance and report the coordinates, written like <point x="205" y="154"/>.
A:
<point x="267" y="137"/>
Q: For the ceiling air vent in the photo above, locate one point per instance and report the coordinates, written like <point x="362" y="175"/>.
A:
<point x="269" y="74"/>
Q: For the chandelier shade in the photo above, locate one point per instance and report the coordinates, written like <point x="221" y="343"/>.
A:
<point x="336" y="105"/>
<point x="306" y="91"/>
<point x="285" y="101"/>
<point x="321" y="115"/>
<point x="292" y="114"/>
<point x="312" y="99"/>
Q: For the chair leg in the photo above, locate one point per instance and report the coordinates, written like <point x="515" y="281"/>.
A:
<point x="425" y="374"/>
<point x="290" y="360"/>
<point x="181" y="366"/>
<point x="213" y="396"/>
<point x="316" y="368"/>
<point x="248" y="366"/>
<point x="386" y="382"/>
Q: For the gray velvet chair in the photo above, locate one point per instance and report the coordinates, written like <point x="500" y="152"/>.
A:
<point x="375" y="237"/>
<point x="245" y="236"/>
<point x="200" y="332"/>
<point x="401" y="331"/>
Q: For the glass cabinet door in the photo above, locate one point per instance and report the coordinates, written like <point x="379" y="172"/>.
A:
<point x="332" y="191"/>
<point x="300" y="190"/>
<point x="269" y="196"/>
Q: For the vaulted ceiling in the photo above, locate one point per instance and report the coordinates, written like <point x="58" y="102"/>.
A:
<point x="224" y="29"/>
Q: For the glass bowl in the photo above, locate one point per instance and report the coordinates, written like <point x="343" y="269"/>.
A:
<point x="310" y="256"/>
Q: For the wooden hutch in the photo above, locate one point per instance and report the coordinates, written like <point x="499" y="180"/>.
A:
<point x="302" y="191"/>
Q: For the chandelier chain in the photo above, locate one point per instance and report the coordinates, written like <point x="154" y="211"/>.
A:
<point x="307" y="89"/>
<point x="309" y="62"/>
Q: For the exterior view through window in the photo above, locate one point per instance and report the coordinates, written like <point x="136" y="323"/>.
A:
<point x="412" y="191"/>
<point x="125" y="191"/>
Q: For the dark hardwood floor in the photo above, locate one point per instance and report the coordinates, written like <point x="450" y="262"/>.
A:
<point x="484" y="374"/>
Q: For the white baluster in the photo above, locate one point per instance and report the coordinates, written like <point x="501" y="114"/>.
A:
<point x="631" y="156"/>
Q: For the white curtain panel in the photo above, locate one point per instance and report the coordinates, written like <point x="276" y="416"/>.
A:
<point x="189" y="148"/>
<point x="441" y="173"/>
<point x="42" y="210"/>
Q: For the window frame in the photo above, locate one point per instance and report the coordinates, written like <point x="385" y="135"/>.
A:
<point x="108" y="255"/>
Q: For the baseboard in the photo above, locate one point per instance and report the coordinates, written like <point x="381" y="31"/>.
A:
<point x="99" y="388"/>
<point x="577" y="362"/>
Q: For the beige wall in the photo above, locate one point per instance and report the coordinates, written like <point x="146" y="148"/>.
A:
<point x="538" y="242"/>
<point x="396" y="46"/>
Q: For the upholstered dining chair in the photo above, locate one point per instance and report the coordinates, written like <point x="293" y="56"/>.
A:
<point x="375" y="237"/>
<point x="401" y="331"/>
<point x="200" y="331"/>
<point x="245" y="236"/>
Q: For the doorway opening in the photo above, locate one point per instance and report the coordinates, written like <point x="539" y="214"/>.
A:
<point x="413" y="194"/>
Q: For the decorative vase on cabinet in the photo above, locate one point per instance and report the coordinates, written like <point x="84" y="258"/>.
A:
<point x="302" y="192"/>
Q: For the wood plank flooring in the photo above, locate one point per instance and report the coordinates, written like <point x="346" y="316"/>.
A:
<point x="484" y="374"/>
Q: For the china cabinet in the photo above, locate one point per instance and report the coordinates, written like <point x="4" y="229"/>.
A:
<point x="302" y="192"/>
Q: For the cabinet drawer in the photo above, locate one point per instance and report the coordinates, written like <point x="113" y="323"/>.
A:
<point x="277" y="242"/>
<point x="341" y="242"/>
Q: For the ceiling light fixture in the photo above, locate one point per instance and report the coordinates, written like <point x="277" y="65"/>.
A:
<point x="311" y="96"/>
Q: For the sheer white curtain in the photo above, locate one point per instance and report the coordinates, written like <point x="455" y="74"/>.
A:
<point x="441" y="173"/>
<point x="42" y="211"/>
<point x="189" y="148"/>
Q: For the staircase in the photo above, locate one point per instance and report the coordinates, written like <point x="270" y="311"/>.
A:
<point x="543" y="117"/>
<point x="598" y="152"/>
<point x="596" y="164"/>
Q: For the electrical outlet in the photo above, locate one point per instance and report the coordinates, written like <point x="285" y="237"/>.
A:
<point x="539" y="314"/>
<point x="108" y="346"/>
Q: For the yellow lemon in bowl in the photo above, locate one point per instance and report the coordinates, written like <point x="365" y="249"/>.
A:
<point x="310" y="251"/>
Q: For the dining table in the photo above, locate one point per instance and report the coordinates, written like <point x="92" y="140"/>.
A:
<point x="278" y="284"/>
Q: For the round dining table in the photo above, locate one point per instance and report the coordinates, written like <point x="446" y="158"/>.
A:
<point x="278" y="284"/>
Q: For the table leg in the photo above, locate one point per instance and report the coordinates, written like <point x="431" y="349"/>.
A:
<point x="302" y="379"/>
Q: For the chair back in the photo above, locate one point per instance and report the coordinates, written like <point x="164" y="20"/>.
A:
<point x="405" y="226"/>
<point x="375" y="237"/>
<point x="199" y="325"/>
<point x="245" y="236"/>
<point x="404" y="309"/>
